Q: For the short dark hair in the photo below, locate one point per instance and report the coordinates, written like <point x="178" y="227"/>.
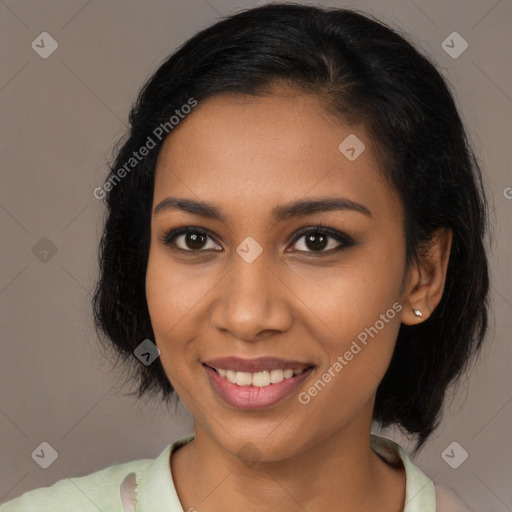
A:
<point x="366" y="73"/>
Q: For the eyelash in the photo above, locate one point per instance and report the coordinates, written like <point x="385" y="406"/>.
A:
<point x="345" y="241"/>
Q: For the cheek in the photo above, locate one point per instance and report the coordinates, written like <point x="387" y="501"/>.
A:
<point x="175" y="295"/>
<point x="357" y="361"/>
<point x="161" y="301"/>
<point x="167" y="305"/>
<point x="169" y="298"/>
<point x="345" y="299"/>
<point x="172" y="290"/>
<point x="360" y="312"/>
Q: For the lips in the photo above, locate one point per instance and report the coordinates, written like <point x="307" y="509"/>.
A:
<point x="246" y="383"/>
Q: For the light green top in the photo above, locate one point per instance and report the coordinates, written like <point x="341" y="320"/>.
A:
<point x="150" y="487"/>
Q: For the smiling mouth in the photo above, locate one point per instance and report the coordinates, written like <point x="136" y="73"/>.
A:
<point x="258" y="379"/>
<point x="255" y="384"/>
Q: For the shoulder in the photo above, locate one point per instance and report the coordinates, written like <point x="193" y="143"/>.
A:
<point x="448" y="500"/>
<point x="93" y="492"/>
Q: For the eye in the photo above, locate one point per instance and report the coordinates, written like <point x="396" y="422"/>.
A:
<point x="191" y="239"/>
<point x="317" y="239"/>
<point x="321" y="239"/>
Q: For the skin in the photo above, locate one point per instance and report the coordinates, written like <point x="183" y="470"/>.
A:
<point x="247" y="155"/>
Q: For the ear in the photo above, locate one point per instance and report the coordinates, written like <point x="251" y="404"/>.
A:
<point x="426" y="278"/>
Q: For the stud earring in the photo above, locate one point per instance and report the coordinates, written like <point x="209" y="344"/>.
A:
<point x="417" y="313"/>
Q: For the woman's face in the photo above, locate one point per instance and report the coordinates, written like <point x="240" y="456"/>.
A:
<point x="263" y="283"/>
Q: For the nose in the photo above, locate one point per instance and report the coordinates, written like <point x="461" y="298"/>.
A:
<point x="252" y="302"/>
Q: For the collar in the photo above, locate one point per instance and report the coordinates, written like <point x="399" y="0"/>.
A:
<point x="156" y="490"/>
<point x="420" y="495"/>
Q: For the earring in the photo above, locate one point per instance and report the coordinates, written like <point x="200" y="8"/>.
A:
<point x="417" y="313"/>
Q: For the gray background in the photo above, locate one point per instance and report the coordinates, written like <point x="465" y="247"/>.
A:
<point x="60" y="119"/>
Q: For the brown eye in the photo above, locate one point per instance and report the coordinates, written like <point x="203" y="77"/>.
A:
<point x="190" y="239"/>
<point x="316" y="241"/>
<point x="195" y="240"/>
<point x="321" y="240"/>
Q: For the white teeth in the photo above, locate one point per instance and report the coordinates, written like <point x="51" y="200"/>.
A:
<point x="276" y="376"/>
<point x="243" y="378"/>
<point x="261" y="379"/>
<point x="231" y="376"/>
<point x="258" y="379"/>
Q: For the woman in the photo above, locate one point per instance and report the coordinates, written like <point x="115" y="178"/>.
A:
<point x="296" y="220"/>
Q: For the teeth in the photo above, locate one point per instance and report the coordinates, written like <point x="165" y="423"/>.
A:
<point x="243" y="378"/>
<point x="276" y="376"/>
<point x="258" y="379"/>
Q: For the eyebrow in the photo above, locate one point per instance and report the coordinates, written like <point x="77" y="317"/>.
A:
<point x="297" y="208"/>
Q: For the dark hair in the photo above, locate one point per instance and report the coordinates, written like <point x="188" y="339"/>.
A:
<point x="365" y="73"/>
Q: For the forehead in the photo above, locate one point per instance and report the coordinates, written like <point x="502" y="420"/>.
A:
<point x="241" y="150"/>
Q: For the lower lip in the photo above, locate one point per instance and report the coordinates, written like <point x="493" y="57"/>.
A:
<point x="253" y="397"/>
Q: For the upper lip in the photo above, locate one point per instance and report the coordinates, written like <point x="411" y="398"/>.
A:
<point x="258" y="364"/>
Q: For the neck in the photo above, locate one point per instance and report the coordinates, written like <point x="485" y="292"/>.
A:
<point x="340" y="472"/>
